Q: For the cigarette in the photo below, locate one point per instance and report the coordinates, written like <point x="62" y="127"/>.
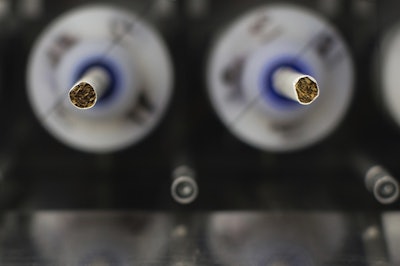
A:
<point x="90" y="87"/>
<point x="296" y="86"/>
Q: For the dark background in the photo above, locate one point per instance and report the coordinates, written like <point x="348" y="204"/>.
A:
<point x="38" y="172"/>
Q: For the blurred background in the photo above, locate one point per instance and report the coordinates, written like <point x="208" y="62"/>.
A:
<point x="191" y="157"/>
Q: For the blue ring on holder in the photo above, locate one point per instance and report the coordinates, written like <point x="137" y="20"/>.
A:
<point x="269" y="92"/>
<point x="112" y="70"/>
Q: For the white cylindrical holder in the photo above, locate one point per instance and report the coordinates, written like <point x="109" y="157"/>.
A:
<point x="248" y="104"/>
<point x="296" y="86"/>
<point x="387" y="72"/>
<point x="89" y="88"/>
<point x="138" y="65"/>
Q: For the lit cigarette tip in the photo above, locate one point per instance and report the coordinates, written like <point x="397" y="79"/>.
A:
<point x="83" y="96"/>
<point x="296" y="86"/>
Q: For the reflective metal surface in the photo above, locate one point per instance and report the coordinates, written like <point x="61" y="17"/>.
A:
<point x="217" y="238"/>
<point x="391" y="221"/>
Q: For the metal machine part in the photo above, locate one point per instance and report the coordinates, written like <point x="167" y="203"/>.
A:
<point x="139" y="74"/>
<point x="275" y="239"/>
<point x="382" y="184"/>
<point x="184" y="189"/>
<point x="257" y="206"/>
<point x="190" y="238"/>
<point x="378" y="181"/>
<point x="249" y="54"/>
<point x="99" y="238"/>
<point x="387" y="71"/>
<point x="391" y="233"/>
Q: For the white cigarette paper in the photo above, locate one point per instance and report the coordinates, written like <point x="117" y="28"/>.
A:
<point x="90" y="87"/>
<point x="296" y="86"/>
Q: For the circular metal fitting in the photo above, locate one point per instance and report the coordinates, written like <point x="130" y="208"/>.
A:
<point x="384" y="187"/>
<point x="184" y="189"/>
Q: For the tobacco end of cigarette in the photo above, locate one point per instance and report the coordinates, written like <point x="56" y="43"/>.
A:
<point x="83" y="95"/>
<point x="307" y="90"/>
